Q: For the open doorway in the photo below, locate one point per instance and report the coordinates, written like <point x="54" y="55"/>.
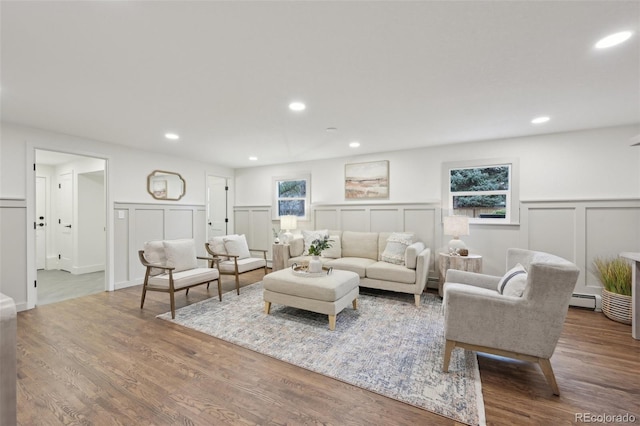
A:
<point x="70" y="226"/>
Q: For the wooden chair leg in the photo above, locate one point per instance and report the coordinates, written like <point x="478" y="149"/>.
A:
<point x="144" y="293"/>
<point x="448" y="348"/>
<point x="208" y="285"/>
<point x="219" y="290"/>
<point x="186" y="293"/>
<point x="173" y="305"/>
<point x="237" y="285"/>
<point x="545" y="365"/>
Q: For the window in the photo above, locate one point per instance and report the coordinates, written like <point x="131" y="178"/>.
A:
<point x="485" y="191"/>
<point x="291" y="197"/>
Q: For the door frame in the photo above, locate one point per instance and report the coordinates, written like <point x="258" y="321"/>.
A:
<point x="32" y="272"/>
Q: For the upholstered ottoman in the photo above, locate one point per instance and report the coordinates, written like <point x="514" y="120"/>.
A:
<point x="326" y="294"/>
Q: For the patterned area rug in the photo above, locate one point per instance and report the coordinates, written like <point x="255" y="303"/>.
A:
<point x="387" y="346"/>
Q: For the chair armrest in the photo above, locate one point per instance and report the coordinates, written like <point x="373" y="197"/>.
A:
<point x="152" y="265"/>
<point x="264" y="252"/>
<point x="212" y="261"/>
<point x="475" y="279"/>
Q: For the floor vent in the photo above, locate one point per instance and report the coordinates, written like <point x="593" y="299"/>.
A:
<point x="590" y="301"/>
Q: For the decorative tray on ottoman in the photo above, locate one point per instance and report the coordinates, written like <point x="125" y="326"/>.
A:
<point x="302" y="271"/>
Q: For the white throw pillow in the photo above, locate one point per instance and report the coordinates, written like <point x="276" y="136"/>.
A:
<point x="181" y="254"/>
<point x="154" y="253"/>
<point x="513" y="282"/>
<point x="217" y="245"/>
<point x="236" y="245"/>
<point x="335" y="251"/>
<point x="397" y="244"/>
<point x="310" y="236"/>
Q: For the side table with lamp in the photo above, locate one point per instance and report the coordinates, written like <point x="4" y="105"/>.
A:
<point x="458" y="256"/>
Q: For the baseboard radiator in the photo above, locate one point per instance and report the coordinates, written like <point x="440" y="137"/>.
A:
<point x="590" y="301"/>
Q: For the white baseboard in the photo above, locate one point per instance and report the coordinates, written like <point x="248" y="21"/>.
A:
<point x="77" y="270"/>
<point x="591" y="301"/>
<point x="125" y="284"/>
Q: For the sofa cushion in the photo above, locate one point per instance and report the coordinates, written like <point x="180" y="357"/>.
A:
<point x="154" y="253"/>
<point x="390" y="272"/>
<point x="181" y="254"/>
<point x="335" y="251"/>
<point x="354" y="264"/>
<point x="360" y="244"/>
<point x="296" y="246"/>
<point x="396" y="247"/>
<point x="513" y="282"/>
<point x="236" y="245"/>
<point x="311" y="236"/>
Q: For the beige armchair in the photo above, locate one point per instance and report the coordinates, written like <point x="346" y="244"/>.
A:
<point x="527" y="327"/>
<point x="235" y="256"/>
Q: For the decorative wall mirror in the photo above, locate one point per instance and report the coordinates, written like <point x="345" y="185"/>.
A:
<point x="163" y="185"/>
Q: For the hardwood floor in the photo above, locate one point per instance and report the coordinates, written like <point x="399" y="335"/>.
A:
<point x="101" y="360"/>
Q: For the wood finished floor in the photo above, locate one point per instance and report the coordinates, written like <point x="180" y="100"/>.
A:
<point x="101" y="360"/>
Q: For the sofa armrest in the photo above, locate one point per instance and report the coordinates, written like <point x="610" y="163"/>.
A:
<point x="411" y="254"/>
<point x="475" y="279"/>
<point x="422" y="270"/>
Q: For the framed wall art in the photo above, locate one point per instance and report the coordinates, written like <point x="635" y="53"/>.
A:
<point x="365" y="181"/>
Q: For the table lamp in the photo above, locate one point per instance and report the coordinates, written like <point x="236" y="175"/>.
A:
<point x="287" y="223"/>
<point x="456" y="226"/>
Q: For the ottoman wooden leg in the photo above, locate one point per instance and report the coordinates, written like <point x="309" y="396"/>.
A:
<point x="332" y="322"/>
<point x="267" y="307"/>
<point x="355" y="304"/>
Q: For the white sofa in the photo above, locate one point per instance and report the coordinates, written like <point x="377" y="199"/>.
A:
<point x="363" y="253"/>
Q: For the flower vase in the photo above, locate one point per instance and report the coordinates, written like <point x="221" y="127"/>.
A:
<point x="315" y="265"/>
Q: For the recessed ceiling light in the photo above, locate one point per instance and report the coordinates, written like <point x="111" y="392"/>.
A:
<point x="297" y="106"/>
<point x="613" y="39"/>
<point x="253" y="158"/>
<point x="171" y="136"/>
<point x="354" y="144"/>
<point x="540" y="120"/>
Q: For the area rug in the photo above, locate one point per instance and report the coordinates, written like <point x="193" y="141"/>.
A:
<point x="387" y="346"/>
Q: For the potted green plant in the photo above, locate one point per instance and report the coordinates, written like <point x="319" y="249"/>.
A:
<point x="315" y="250"/>
<point x="615" y="275"/>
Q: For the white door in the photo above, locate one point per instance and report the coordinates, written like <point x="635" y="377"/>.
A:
<point x="65" y="221"/>
<point x="41" y="222"/>
<point x="216" y="206"/>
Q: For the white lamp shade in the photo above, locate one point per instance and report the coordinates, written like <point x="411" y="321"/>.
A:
<point x="288" y="222"/>
<point x="456" y="225"/>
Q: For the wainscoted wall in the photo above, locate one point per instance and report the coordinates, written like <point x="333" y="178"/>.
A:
<point x="137" y="223"/>
<point x="13" y="250"/>
<point x="582" y="230"/>
<point x="577" y="230"/>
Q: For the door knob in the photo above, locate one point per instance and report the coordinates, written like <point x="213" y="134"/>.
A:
<point x="41" y="224"/>
<point x="67" y="226"/>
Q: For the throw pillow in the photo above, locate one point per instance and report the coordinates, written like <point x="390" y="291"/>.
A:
<point x="181" y="254"/>
<point x="236" y="245"/>
<point x="335" y="251"/>
<point x="397" y="244"/>
<point x="310" y="236"/>
<point x="513" y="282"/>
<point x="154" y="253"/>
<point x="217" y="245"/>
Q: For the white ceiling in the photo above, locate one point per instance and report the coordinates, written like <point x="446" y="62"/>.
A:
<point x="391" y="74"/>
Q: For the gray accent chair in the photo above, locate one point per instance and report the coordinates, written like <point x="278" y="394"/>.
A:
<point x="479" y="318"/>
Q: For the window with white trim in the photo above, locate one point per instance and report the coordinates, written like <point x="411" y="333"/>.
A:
<point x="291" y="196"/>
<point x="486" y="191"/>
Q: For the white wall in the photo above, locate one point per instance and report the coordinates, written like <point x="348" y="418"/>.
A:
<point x="587" y="164"/>
<point x="568" y="167"/>
<point x="127" y="171"/>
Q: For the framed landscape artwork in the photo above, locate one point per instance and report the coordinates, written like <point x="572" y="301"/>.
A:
<point x="366" y="180"/>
